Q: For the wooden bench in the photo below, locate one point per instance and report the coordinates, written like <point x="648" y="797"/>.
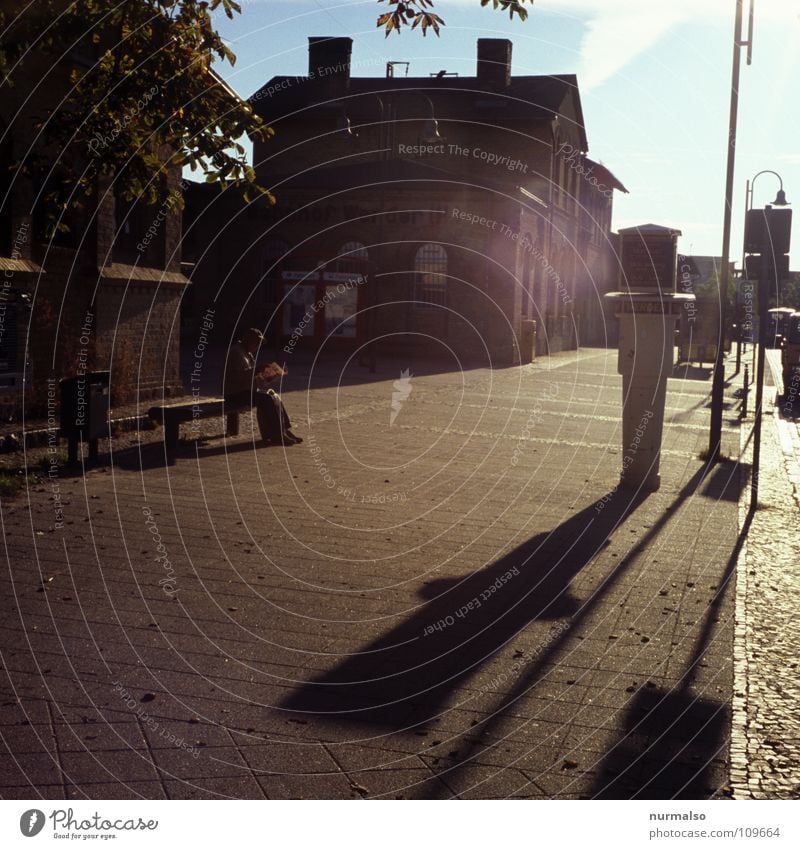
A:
<point x="171" y="416"/>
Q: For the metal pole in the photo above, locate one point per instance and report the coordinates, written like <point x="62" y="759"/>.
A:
<point x="718" y="384"/>
<point x="745" y="391"/>
<point x="762" y="339"/>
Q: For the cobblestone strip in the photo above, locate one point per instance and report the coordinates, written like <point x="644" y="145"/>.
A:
<point x="790" y="445"/>
<point x="765" y="739"/>
<point x="739" y="755"/>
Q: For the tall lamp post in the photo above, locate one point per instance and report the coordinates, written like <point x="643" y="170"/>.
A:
<point x="767" y="235"/>
<point x="718" y="382"/>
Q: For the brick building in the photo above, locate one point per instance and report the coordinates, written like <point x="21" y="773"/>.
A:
<point x="103" y="294"/>
<point x="438" y="214"/>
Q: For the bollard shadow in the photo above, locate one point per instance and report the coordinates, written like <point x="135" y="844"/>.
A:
<point x="669" y="740"/>
<point x="726" y="481"/>
<point x="673" y="741"/>
<point x="406" y="676"/>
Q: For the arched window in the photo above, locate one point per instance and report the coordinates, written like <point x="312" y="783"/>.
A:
<point x="351" y="257"/>
<point x="430" y="277"/>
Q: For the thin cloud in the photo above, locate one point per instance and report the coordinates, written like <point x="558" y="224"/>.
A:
<point x="619" y="31"/>
<point x="617" y="36"/>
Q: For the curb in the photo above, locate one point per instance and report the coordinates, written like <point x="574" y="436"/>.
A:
<point x="738" y="749"/>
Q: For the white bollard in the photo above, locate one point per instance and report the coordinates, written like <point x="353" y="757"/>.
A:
<point x="647" y="307"/>
<point x="645" y="361"/>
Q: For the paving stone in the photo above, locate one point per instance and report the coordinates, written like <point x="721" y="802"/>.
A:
<point x="294" y="645"/>
<point x="99" y="737"/>
<point x="116" y="790"/>
<point x="399" y="783"/>
<point x="108" y="766"/>
<point x="309" y="787"/>
<point x="214" y="788"/>
<point x="204" y="762"/>
<point x="28" y="791"/>
<point x="36" y="769"/>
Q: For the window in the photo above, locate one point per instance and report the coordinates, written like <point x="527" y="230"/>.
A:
<point x="526" y="245"/>
<point x="6" y="239"/>
<point x="555" y="284"/>
<point x="540" y="272"/>
<point x="430" y="276"/>
<point x="352" y="258"/>
<point x="139" y="232"/>
<point x="8" y="340"/>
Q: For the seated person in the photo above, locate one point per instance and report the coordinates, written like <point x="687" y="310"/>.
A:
<point x="246" y="385"/>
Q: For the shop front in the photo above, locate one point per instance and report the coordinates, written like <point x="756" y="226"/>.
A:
<point x="320" y="307"/>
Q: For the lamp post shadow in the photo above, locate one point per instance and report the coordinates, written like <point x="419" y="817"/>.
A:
<point x="406" y="677"/>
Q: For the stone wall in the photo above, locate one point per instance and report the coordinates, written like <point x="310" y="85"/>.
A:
<point x="138" y="337"/>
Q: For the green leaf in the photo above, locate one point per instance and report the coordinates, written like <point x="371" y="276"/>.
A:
<point x="167" y="46"/>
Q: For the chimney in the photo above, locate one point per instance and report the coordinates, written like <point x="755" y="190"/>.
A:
<point x="494" y="62"/>
<point x="329" y="62"/>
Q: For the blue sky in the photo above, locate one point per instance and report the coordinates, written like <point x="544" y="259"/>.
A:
<point x="654" y="78"/>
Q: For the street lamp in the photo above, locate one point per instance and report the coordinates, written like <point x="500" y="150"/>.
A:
<point x="761" y="234"/>
<point x="780" y="198"/>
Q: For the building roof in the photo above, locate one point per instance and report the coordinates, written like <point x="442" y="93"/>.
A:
<point x="650" y="230"/>
<point x="527" y="98"/>
<point x="605" y="176"/>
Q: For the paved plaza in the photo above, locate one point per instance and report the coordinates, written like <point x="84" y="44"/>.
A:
<point x="440" y="593"/>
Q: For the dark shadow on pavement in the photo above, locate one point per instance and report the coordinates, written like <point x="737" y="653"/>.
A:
<point x="672" y="738"/>
<point x="686" y="415"/>
<point x="685" y="371"/>
<point x="527" y="678"/>
<point x="405" y="677"/>
<point x="726" y="482"/>
<point x="153" y="455"/>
